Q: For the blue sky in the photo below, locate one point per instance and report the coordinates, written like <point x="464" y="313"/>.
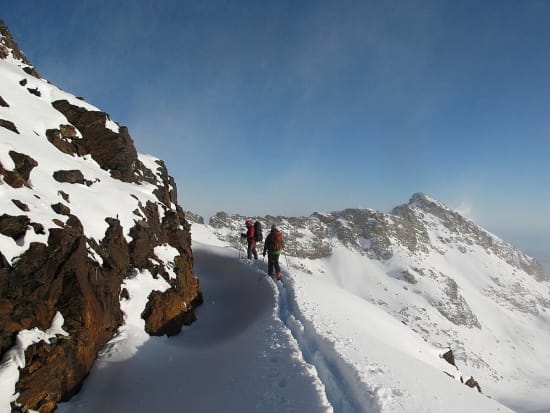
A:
<point x="289" y="107"/>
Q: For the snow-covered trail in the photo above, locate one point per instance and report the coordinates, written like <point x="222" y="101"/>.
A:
<point x="238" y="356"/>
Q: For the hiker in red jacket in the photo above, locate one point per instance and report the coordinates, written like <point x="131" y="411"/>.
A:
<point x="250" y="240"/>
<point x="273" y="245"/>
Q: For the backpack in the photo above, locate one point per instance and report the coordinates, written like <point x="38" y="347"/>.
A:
<point x="258" y="236"/>
<point x="277" y="242"/>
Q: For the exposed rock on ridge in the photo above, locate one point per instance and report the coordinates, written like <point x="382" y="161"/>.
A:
<point x="59" y="266"/>
<point x="9" y="46"/>
<point x="376" y="234"/>
<point x="422" y="228"/>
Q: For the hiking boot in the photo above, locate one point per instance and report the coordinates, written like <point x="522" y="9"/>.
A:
<point x="279" y="276"/>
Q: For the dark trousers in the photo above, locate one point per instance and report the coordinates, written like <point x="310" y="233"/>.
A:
<point x="273" y="261"/>
<point x="252" y="250"/>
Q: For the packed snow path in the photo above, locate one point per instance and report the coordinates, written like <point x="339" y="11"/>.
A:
<point x="238" y="356"/>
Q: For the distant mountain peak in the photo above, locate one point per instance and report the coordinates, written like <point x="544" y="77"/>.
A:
<point x="422" y="199"/>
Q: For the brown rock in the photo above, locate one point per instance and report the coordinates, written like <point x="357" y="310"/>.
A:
<point x="67" y="131"/>
<point x="449" y="357"/>
<point x="14" y="226"/>
<point x="12" y="179"/>
<point x="70" y="176"/>
<point x="9" y="43"/>
<point x="61" y="209"/>
<point x="65" y="139"/>
<point x="61" y="277"/>
<point x="63" y="274"/>
<point x="64" y="195"/>
<point x="471" y="382"/>
<point x="21" y="205"/>
<point x="113" y="151"/>
<point x="115" y="245"/>
<point x="24" y="164"/>
<point x="54" y="136"/>
<point x="38" y="228"/>
<point x="124" y="294"/>
<point x="165" y="313"/>
<point x="9" y="125"/>
<point x="21" y="173"/>
<point x="34" y="91"/>
<point x="58" y="222"/>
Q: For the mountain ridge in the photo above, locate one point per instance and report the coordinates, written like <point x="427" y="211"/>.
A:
<point x="83" y="214"/>
<point x="379" y="225"/>
<point x="434" y="270"/>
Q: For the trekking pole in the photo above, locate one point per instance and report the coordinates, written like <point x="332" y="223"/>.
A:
<point x="286" y="258"/>
<point x="239" y="249"/>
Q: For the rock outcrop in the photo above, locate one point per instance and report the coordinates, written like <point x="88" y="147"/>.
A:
<point x="416" y="233"/>
<point x="53" y="260"/>
<point x="379" y="235"/>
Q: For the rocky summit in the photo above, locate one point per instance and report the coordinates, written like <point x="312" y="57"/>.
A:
<point x="380" y="235"/>
<point x="429" y="267"/>
<point x="82" y="212"/>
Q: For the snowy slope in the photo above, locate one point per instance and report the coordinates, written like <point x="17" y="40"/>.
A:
<point x="306" y="345"/>
<point x="95" y="202"/>
<point x="367" y="359"/>
<point x="445" y="281"/>
<point x="52" y="198"/>
<point x="238" y="357"/>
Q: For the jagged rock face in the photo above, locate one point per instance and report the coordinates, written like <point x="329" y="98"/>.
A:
<point x="53" y="257"/>
<point x="194" y="218"/>
<point x="19" y="176"/>
<point x="61" y="277"/>
<point x="112" y="151"/>
<point x="464" y="232"/>
<point x="448" y="280"/>
<point x="8" y="46"/>
<point x="419" y="230"/>
<point x="378" y="234"/>
<point x="304" y="237"/>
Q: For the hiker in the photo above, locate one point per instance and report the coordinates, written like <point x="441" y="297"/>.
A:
<point x="258" y="235"/>
<point x="273" y="245"/>
<point x="251" y="240"/>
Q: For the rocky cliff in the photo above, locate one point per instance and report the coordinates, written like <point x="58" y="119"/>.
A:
<point x="424" y="264"/>
<point x="380" y="235"/>
<point x="82" y="211"/>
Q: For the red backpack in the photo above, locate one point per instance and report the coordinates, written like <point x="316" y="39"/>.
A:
<point x="277" y="240"/>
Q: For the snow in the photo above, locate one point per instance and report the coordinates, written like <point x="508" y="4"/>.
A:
<point x="345" y="333"/>
<point x="106" y="197"/>
<point x="131" y="335"/>
<point x="315" y="343"/>
<point x="109" y="124"/>
<point x="150" y="162"/>
<point x="238" y="357"/>
<point x="14" y="359"/>
<point x="166" y="254"/>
